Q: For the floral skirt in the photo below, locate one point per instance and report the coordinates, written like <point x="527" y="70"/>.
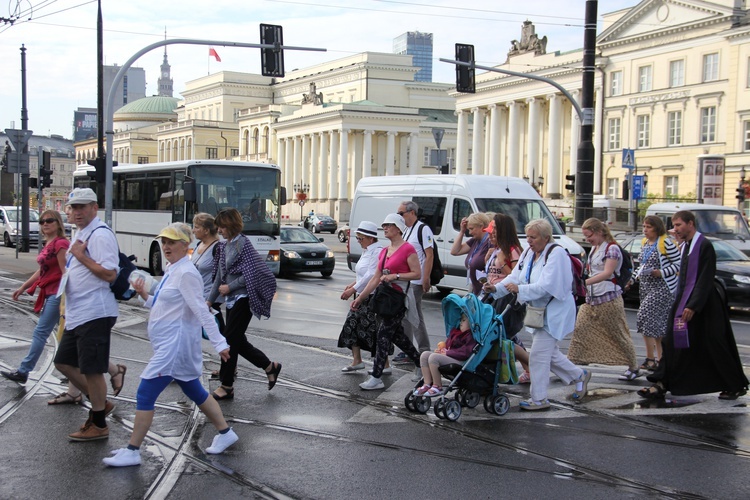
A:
<point x="602" y="336"/>
<point x="360" y="329"/>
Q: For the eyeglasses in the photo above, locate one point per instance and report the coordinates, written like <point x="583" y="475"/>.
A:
<point x="47" y="221"/>
<point x="404" y="212"/>
<point x="359" y="238"/>
<point x="386" y="226"/>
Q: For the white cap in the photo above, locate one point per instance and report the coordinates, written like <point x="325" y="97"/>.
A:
<point x="397" y="220"/>
<point x="367" y="228"/>
<point x="81" y="196"/>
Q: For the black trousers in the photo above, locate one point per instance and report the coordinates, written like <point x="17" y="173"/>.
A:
<point x="238" y="318"/>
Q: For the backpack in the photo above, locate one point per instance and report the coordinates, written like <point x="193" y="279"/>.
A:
<point x="625" y="273"/>
<point x="121" y="286"/>
<point x="437" y="272"/>
<point x="578" y="286"/>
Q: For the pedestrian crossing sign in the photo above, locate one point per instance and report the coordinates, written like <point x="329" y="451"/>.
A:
<point x="628" y="158"/>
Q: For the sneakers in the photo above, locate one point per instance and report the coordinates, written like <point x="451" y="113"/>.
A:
<point x="89" y="432"/>
<point x="123" y="458"/>
<point x="629" y="375"/>
<point x="386" y="371"/>
<point x="372" y="384"/>
<point x="15" y="376"/>
<point x="222" y="441"/>
<point x="401" y="359"/>
<point x="583" y="383"/>
<point x="531" y="405"/>
<point x="417" y="375"/>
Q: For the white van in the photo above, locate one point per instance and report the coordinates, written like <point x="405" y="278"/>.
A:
<point x="726" y="223"/>
<point x="10" y="222"/>
<point x="443" y="201"/>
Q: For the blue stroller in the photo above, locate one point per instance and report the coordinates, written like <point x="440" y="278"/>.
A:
<point x="491" y="362"/>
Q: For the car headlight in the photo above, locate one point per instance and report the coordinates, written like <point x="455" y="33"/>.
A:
<point x="14" y="231"/>
<point x="291" y="254"/>
<point x="741" y="278"/>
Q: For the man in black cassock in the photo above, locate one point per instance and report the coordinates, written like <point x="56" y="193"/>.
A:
<point x="711" y="363"/>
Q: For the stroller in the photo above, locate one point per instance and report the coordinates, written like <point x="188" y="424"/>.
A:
<point x="492" y="362"/>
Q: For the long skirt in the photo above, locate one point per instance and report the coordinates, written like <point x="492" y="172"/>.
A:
<point x="602" y="336"/>
<point x="361" y="329"/>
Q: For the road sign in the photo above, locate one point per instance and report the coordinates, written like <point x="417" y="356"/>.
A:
<point x="637" y="187"/>
<point x="18" y="163"/>
<point x="19" y="138"/>
<point x="628" y="158"/>
<point x="437" y="134"/>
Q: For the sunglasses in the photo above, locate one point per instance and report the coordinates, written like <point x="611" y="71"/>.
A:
<point x="359" y="238"/>
<point x="47" y="221"/>
<point x="404" y="212"/>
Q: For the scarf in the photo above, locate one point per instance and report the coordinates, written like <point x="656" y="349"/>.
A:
<point x="679" y="330"/>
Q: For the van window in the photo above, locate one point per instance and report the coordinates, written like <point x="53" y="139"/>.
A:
<point x="522" y="211"/>
<point x="725" y="224"/>
<point x="431" y="211"/>
<point x="461" y="209"/>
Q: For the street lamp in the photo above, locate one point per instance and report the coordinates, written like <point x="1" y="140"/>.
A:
<point x="301" y="189"/>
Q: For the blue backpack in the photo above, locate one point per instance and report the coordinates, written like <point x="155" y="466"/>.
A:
<point x="121" y="286"/>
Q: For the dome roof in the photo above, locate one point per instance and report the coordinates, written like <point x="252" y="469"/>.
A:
<point x="154" y="105"/>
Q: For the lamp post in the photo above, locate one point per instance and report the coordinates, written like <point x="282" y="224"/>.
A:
<point x="301" y="189"/>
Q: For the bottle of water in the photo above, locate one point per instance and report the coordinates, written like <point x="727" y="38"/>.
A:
<point x="150" y="282"/>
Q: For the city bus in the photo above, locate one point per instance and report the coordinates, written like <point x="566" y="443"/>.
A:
<point x="146" y="198"/>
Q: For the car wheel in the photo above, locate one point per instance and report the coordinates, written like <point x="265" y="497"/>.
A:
<point x="326" y="274"/>
<point x="7" y="241"/>
<point x="154" y="261"/>
<point x="315" y="229"/>
<point x="342" y="237"/>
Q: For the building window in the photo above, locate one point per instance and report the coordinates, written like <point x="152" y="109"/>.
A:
<point x="746" y="127"/>
<point x="708" y="124"/>
<point x="677" y="73"/>
<point x="671" y="185"/>
<point x="142" y="160"/>
<point x="234" y="152"/>
<point x="710" y="67"/>
<point x="644" y="131"/>
<point x="612" y="185"/>
<point x="614" y="133"/>
<point x="616" y="86"/>
<point x="644" y="78"/>
<point x="674" y="132"/>
<point x="212" y="153"/>
<point x="426" y="157"/>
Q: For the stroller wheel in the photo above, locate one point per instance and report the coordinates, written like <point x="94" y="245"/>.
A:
<point x="488" y="404"/>
<point x="471" y="399"/>
<point x="409" y="402"/>
<point x="422" y="404"/>
<point x="452" y="410"/>
<point x="460" y="396"/>
<point x="500" y="404"/>
<point x="440" y="408"/>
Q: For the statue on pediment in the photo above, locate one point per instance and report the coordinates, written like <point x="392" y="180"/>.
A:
<point x="313" y="97"/>
<point x="530" y="42"/>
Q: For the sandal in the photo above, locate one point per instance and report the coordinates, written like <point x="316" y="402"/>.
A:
<point x="656" y="391"/>
<point x="650" y="365"/>
<point x="273" y="373"/>
<point x="229" y="394"/>
<point x="629" y="375"/>
<point x="65" y="399"/>
<point x="422" y="390"/>
<point x="525" y="378"/>
<point x="732" y="395"/>
<point x="584" y="381"/>
<point x="434" y="391"/>
<point x="116" y="388"/>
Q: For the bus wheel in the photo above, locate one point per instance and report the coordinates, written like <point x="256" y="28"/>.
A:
<point x="154" y="261"/>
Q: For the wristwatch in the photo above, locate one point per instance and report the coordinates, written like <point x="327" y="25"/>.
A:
<point x="398" y="276"/>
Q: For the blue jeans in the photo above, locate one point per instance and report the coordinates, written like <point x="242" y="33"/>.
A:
<point x="47" y="321"/>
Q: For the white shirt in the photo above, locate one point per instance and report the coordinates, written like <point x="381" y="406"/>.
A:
<point x="178" y="311"/>
<point x="412" y="236"/>
<point x="366" y="266"/>
<point x="87" y="297"/>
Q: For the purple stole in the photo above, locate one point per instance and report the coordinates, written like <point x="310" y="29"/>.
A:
<point x="680" y="327"/>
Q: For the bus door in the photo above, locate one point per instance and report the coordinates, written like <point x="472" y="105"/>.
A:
<point x="178" y="200"/>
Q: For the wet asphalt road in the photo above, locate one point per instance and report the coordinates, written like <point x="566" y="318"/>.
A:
<point x="317" y="435"/>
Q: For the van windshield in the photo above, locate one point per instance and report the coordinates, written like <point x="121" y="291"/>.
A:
<point x="724" y="224"/>
<point x="522" y="211"/>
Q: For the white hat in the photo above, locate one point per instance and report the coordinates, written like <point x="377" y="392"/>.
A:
<point x="397" y="220"/>
<point x="367" y="228"/>
<point x="81" y="196"/>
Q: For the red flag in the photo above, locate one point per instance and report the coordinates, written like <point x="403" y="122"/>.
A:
<point x="212" y="52"/>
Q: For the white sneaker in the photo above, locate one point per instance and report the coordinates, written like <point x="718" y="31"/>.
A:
<point x="417" y="375"/>
<point x="386" y="371"/>
<point x="372" y="384"/>
<point x="123" y="458"/>
<point x="222" y="441"/>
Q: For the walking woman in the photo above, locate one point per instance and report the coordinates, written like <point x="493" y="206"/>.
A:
<point x="248" y="287"/>
<point x="178" y="312"/>
<point x="657" y="277"/>
<point x="476" y="247"/>
<point x="398" y="264"/>
<point x="601" y="334"/>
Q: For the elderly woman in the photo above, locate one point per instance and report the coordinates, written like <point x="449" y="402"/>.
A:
<point x="601" y="334"/>
<point x="248" y="287"/>
<point x="476" y="247"/>
<point x="398" y="264"/>
<point x="361" y="325"/>
<point x="543" y="278"/>
<point x="178" y="311"/>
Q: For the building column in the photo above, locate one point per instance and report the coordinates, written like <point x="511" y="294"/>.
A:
<point x="288" y="164"/>
<point x="323" y="179"/>
<point x="334" y="173"/>
<point x="297" y="150"/>
<point x="513" y="139"/>
<point x="357" y="160"/>
<point x="314" y="168"/>
<point x="462" y="148"/>
<point x="477" y="142"/>
<point x="390" y="153"/>
<point x="598" y="119"/>
<point x="367" y="154"/>
<point x="413" y="153"/>
<point x="575" y="135"/>
<point x="280" y="154"/>
<point x="554" y="167"/>
<point x="344" y="165"/>
<point x="533" y="168"/>
<point x="493" y="167"/>
<point x="305" y="164"/>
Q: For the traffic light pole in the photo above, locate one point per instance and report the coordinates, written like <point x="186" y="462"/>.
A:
<point x="121" y="74"/>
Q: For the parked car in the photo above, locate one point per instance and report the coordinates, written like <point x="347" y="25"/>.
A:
<point x="10" y="222"/>
<point x="67" y="225"/>
<point x="343" y="233"/>
<point x="732" y="269"/>
<point x="319" y="223"/>
<point x="302" y="252"/>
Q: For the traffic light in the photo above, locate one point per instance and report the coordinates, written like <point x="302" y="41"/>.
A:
<point x="45" y="170"/>
<point x="571" y="186"/>
<point x="740" y="193"/>
<point x="625" y="190"/>
<point x="465" y="74"/>
<point x="272" y="60"/>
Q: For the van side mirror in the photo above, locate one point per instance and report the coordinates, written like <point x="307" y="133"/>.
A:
<point x="188" y="188"/>
<point x="282" y="196"/>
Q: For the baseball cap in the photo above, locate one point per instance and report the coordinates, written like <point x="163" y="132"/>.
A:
<point x="367" y="228"/>
<point x="490" y="227"/>
<point x="397" y="220"/>
<point x="81" y="196"/>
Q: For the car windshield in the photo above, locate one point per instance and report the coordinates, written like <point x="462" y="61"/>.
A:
<point x="297" y="235"/>
<point x="727" y="253"/>
<point x="15" y="214"/>
<point x="726" y="225"/>
<point x="522" y="211"/>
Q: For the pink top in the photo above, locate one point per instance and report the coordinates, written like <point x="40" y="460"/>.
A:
<point x="496" y="270"/>
<point x="398" y="262"/>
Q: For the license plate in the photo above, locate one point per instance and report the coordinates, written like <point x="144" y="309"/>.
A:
<point x="314" y="263"/>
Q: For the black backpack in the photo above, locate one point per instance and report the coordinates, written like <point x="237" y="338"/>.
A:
<point x="625" y="273"/>
<point x="121" y="286"/>
<point x="437" y="272"/>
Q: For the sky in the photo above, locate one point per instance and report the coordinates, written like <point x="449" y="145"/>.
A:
<point x="60" y="40"/>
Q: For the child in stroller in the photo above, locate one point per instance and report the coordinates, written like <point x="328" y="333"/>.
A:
<point x="456" y="350"/>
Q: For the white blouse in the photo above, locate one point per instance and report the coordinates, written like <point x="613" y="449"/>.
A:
<point x="366" y="266"/>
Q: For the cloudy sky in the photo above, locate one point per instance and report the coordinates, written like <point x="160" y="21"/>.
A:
<point x="60" y="38"/>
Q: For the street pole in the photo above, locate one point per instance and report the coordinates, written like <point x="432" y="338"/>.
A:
<point x="23" y="245"/>
<point x="100" y="91"/>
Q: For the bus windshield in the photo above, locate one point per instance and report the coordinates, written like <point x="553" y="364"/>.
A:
<point x="522" y="211"/>
<point x="252" y="191"/>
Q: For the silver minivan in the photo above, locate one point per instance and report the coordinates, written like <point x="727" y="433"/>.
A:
<point x="10" y="221"/>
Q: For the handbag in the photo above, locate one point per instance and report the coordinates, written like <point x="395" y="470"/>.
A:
<point x="535" y="315"/>
<point x="513" y="319"/>
<point x="388" y="302"/>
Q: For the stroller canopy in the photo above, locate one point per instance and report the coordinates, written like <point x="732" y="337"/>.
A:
<point x="486" y="325"/>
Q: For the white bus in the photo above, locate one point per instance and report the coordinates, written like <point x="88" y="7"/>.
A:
<point x="146" y="198"/>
